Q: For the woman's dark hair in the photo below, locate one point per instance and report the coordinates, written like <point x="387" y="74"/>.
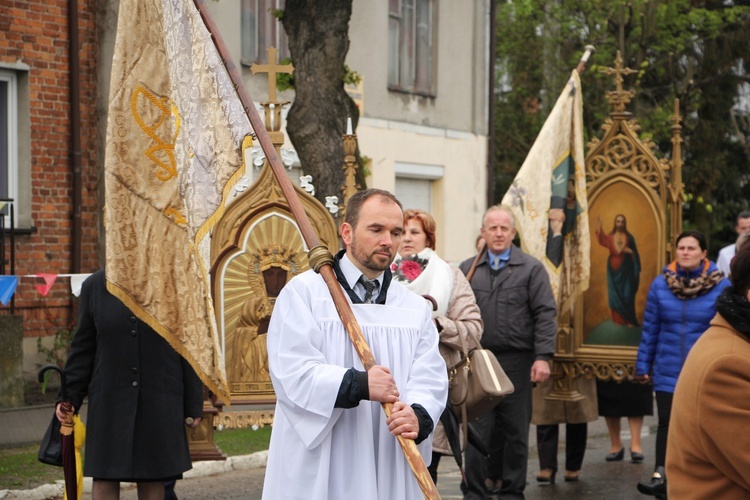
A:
<point x="740" y="270"/>
<point x="695" y="234"/>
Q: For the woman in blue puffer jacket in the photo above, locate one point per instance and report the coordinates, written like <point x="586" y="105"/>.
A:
<point x="679" y="308"/>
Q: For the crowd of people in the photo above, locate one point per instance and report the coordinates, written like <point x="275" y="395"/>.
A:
<point x="420" y="315"/>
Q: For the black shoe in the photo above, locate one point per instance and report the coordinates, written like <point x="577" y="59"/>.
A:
<point x="616" y="456"/>
<point x="636" y="457"/>
<point x="660" y="490"/>
<point x="657" y="483"/>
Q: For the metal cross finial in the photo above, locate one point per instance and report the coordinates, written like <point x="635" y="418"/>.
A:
<point x="618" y="71"/>
<point x="272" y="69"/>
<point x="619" y="98"/>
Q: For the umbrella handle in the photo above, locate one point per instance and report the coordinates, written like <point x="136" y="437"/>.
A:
<point x="63" y="389"/>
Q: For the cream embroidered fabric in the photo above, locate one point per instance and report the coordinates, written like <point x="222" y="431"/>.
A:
<point x="530" y="194"/>
<point x="174" y="140"/>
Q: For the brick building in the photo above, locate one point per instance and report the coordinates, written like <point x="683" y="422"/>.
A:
<point x="423" y="124"/>
<point x="49" y="162"/>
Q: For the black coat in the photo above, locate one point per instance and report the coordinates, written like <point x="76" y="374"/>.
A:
<point x="139" y="391"/>
<point x="518" y="308"/>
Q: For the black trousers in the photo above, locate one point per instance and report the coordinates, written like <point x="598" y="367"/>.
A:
<point x="547" y="439"/>
<point x="506" y="430"/>
<point x="664" y="408"/>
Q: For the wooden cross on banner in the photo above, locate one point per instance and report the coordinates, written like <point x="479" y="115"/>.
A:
<point x="272" y="69"/>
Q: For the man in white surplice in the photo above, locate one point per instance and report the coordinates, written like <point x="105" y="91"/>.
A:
<point x="331" y="438"/>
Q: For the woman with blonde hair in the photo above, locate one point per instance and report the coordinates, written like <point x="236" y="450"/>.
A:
<point x="455" y="311"/>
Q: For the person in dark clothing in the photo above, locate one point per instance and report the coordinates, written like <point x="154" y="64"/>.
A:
<point x="140" y="391"/>
<point x="519" y="314"/>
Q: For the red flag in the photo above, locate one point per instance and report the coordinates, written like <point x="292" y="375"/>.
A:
<point x="49" y="280"/>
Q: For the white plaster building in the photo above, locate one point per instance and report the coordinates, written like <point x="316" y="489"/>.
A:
<point x="425" y="108"/>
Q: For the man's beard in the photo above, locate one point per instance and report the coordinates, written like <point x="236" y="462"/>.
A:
<point x="369" y="261"/>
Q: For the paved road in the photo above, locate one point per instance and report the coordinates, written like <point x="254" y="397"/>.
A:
<point x="599" y="480"/>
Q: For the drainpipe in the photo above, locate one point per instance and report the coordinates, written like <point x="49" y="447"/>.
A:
<point x="75" y="132"/>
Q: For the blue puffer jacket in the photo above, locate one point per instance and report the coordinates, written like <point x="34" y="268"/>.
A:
<point x="671" y="326"/>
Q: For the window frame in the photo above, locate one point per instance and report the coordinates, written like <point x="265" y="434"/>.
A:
<point x="10" y="78"/>
<point x="260" y="22"/>
<point x="409" y="40"/>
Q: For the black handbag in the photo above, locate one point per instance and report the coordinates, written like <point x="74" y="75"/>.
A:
<point x="50" y="450"/>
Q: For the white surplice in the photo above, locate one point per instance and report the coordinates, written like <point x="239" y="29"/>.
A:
<point x="321" y="452"/>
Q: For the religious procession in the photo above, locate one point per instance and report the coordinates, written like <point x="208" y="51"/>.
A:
<point x="276" y="249"/>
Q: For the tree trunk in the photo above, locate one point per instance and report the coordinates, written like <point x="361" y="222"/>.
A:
<point x="318" y="43"/>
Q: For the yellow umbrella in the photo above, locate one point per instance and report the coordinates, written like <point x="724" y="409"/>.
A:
<point x="79" y="437"/>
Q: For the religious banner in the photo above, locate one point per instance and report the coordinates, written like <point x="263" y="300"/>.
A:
<point x="175" y="135"/>
<point x="548" y="197"/>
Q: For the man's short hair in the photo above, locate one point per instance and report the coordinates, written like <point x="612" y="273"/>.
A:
<point x="502" y="208"/>
<point x="355" y="203"/>
<point x="743" y="215"/>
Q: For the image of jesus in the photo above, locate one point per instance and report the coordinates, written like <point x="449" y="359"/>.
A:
<point x="623" y="270"/>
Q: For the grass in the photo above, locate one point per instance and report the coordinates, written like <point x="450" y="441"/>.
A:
<point x="233" y="442"/>
<point x="20" y="469"/>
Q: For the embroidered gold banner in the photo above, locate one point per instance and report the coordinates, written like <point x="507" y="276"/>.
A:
<point x="548" y="197"/>
<point x="175" y="136"/>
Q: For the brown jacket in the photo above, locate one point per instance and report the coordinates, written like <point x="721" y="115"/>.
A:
<point x="463" y="321"/>
<point x="708" y="448"/>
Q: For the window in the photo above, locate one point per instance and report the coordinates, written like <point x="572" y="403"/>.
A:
<point x="410" y="45"/>
<point x="8" y="137"/>
<point x="414" y="193"/>
<point x="260" y="30"/>
<point x="15" y="143"/>
<point x="414" y="184"/>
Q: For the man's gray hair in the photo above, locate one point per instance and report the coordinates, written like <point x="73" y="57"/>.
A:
<point x="502" y="208"/>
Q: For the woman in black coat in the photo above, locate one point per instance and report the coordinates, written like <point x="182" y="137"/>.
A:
<point x="140" y="391"/>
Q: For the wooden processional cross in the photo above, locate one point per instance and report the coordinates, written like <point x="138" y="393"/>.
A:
<point x="272" y="69"/>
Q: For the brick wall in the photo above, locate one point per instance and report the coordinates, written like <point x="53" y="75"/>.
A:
<point x="35" y="32"/>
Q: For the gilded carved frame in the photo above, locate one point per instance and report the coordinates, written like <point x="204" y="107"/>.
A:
<point x="257" y="235"/>
<point x="623" y="176"/>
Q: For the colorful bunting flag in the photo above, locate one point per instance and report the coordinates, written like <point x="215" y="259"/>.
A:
<point x="49" y="280"/>
<point x="76" y="280"/>
<point x="8" y="286"/>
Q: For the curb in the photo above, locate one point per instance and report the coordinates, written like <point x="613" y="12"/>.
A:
<point x="200" y="469"/>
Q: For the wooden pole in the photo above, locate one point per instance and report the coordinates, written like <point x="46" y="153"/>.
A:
<point x="320" y="258"/>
